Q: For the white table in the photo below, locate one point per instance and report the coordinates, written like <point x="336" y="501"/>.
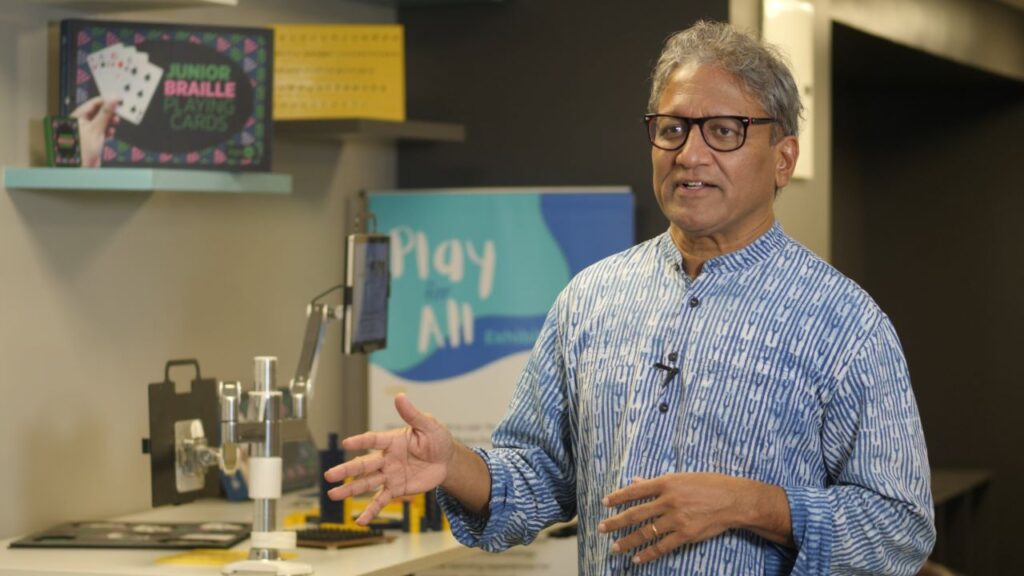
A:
<point x="406" y="555"/>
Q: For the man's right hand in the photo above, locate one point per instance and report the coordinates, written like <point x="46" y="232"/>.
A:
<point x="411" y="460"/>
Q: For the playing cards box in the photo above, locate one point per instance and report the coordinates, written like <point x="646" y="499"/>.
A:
<point x="188" y="96"/>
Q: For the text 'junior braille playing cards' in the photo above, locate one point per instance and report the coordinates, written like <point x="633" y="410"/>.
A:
<point x="166" y="95"/>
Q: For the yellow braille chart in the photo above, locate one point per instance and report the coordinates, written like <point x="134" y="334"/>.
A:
<point x="339" y="71"/>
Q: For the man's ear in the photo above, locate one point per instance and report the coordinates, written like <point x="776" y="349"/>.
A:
<point x="787" y="150"/>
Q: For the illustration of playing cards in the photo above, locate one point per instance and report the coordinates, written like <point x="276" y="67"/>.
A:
<point x="125" y="74"/>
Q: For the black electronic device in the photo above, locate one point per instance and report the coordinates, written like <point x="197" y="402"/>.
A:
<point x="367" y="288"/>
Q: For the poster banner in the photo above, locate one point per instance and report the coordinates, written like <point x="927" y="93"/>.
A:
<point x="473" y="274"/>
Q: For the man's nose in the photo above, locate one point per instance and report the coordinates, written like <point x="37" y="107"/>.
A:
<point x="695" y="150"/>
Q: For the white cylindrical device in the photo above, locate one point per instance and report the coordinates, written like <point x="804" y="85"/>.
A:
<point x="265" y="477"/>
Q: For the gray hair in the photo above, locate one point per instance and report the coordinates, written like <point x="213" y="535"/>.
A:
<point x="759" y="66"/>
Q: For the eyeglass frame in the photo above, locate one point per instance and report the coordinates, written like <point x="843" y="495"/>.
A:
<point x="746" y="121"/>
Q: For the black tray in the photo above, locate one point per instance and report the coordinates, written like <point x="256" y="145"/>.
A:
<point x="160" y="535"/>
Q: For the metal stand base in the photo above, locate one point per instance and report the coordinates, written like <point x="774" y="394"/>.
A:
<point x="279" y="567"/>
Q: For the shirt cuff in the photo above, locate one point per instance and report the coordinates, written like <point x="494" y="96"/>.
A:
<point x="476" y="530"/>
<point x="811" y="520"/>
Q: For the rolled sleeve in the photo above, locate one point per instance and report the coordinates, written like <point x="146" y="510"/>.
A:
<point x="476" y="530"/>
<point x="874" y="515"/>
<point x="811" y="517"/>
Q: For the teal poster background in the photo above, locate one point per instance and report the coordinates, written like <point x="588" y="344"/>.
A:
<point x="474" y="272"/>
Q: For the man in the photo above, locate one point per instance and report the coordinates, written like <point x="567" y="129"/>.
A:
<point x="714" y="401"/>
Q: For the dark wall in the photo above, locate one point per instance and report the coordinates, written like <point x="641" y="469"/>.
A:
<point x="551" y="92"/>
<point x="929" y="218"/>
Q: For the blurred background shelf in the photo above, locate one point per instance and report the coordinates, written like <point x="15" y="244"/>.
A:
<point x="133" y="5"/>
<point x="374" y="129"/>
<point x="415" y="3"/>
<point x="146" y="180"/>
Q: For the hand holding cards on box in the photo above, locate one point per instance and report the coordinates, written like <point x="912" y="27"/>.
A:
<point x="96" y="121"/>
<point x="124" y="74"/>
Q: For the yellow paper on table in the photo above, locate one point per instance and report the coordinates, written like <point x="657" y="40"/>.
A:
<point x="339" y="71"/>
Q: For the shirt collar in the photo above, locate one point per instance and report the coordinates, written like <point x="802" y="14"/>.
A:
<point x="760" y="249"/>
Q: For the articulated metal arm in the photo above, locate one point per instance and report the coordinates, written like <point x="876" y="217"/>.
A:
<point x="301" y="386"/>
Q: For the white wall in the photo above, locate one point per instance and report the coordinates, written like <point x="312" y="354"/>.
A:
<point x="98" y="290"/>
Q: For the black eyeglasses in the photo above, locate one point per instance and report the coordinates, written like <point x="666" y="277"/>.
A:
<point x="721" y="133"/>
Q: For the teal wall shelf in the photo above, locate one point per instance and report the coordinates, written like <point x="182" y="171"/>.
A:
<point x="146" y="180"/>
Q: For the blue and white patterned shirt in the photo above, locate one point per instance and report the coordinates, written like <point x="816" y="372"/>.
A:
<point x="788" y="374"/>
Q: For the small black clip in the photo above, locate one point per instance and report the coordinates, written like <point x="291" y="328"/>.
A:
<point x="671" y="372"/>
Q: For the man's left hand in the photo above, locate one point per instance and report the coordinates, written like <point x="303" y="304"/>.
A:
<point x="676" y="509"/>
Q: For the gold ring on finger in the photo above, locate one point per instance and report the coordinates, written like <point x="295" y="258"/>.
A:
<point x="654" y="529"/>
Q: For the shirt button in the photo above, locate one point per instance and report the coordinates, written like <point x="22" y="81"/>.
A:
<point x="694" y="302"/>
<point x="663" y="407"/>
<point x="673" y="356"/>
<point x="677" y="267"/>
